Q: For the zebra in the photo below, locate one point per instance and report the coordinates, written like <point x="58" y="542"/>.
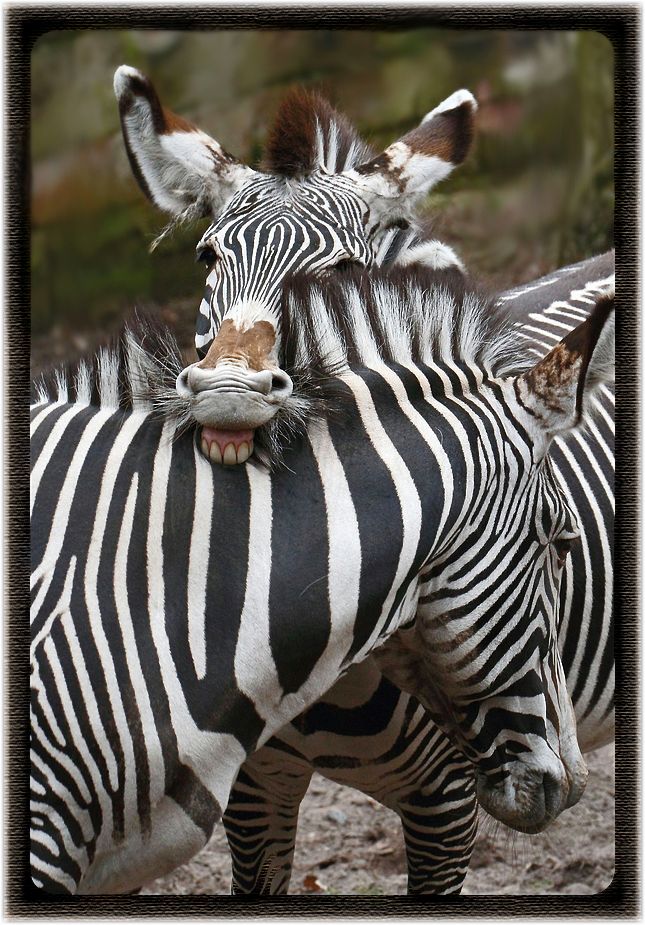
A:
<point x="585" y="464"/>
<point x="118" y="854"/>
<point x="307" y="135"/>
<point x="323" y="203"/>
<point x="367" y="734"/>
<point x="171" y="636"/>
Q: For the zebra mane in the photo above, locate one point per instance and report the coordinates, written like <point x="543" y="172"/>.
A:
<point x="308" y="133"/>
<point x="399" y="314"/>
<point x="366" y="318"/>
<point x="136" y="370"/>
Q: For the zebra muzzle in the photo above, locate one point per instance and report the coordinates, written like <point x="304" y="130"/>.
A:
<point x="230" y="400"/>
<point x="229" y="447"/>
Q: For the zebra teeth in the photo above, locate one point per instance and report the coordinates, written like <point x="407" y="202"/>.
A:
<point x="215" y="453"/>
<point x="216" y="447"/>
<point x="243" y="452"/>
<point x="230" y="456"/>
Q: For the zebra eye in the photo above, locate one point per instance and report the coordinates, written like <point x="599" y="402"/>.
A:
<point x="207" y="255"/>
<point x="563" y="547"/>
<point x="344" y="266"/>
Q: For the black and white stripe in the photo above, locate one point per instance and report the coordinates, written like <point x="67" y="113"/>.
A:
<point x="153" y="677"/>
<point x="368" y="734"/>
<point x="270" y="230"/>
<point x="584" y="465"/>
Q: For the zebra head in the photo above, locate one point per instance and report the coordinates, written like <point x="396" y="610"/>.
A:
<point x="482" y="654"/>
<point x="322" y="203"/>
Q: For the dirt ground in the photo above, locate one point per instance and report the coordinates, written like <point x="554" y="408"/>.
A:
<point x="348" y="843"/>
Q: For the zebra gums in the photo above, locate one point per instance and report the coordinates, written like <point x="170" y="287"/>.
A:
<point x="366" y="732"/>
<point x="185" y="611"/>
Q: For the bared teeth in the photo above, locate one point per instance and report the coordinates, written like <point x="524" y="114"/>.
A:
<point x="230" y="456"/>
<point x="243" y="452"/>
<point x="215" y="453"/>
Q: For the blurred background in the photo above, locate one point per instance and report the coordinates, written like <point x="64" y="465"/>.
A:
<point x="536" y="192"/>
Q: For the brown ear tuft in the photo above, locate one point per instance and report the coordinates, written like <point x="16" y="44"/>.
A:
<point x="308" y="133"/>
<point x="556" y="389"/>
<point x="584" y="344"/>
<point x="175" y="123"/>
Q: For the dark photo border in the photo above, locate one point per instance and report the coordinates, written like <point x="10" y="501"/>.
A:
<point x="23" y="25"/>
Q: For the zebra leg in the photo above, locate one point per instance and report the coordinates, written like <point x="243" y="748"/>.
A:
<point x="261" y="820"/>
<point x="439" y="827"/>
<point x="438" y="805"/>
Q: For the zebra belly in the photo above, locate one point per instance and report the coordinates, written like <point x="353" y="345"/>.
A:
<point x="174" y="839"/>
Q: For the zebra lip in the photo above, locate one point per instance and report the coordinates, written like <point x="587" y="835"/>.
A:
<point x="228" y="447"/>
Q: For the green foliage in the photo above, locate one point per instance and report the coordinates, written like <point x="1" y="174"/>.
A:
<point x="86" y="278"/>
<point x="586" y="221"/>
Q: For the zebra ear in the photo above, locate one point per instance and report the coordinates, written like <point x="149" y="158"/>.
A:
<point x="181" y="169"/>
<point x="556" y="391"/>
<point x="435" y="255"/>
<point x="416" y="162"/>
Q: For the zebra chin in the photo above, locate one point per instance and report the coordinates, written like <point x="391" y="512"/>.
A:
<point x="528" y="799"/>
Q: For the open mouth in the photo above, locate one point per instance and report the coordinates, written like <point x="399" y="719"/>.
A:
<point x="228" y="447"/>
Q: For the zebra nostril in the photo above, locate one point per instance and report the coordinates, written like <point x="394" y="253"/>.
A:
<point x="554" y="795"/>
<point x="281" y="385"/>
<point x="182" y="384"/>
